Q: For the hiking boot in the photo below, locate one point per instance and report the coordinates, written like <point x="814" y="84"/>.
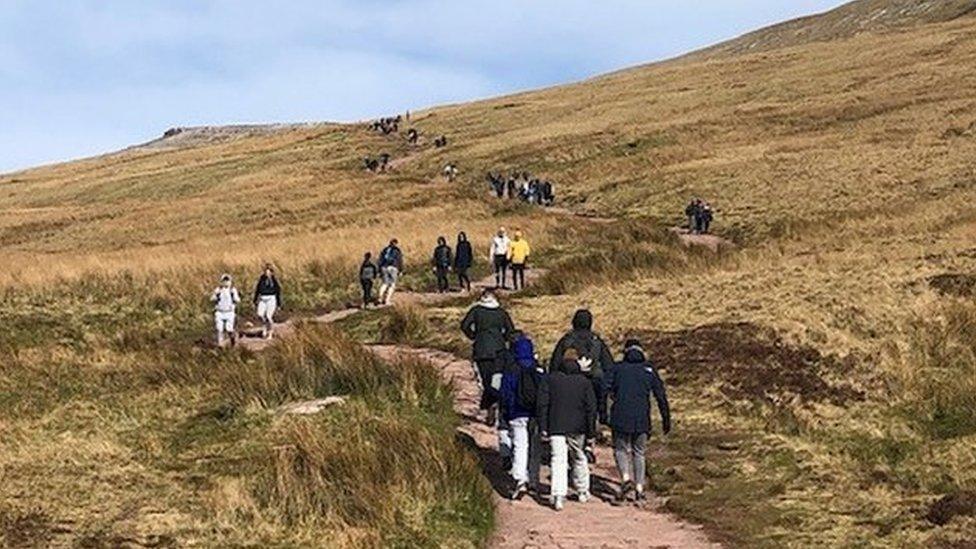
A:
<point x="521" y="488"/>
<point x="640" y="496"/>
<point x="491" y="416"/>
<point x="558" y="502"/>
<point x="625" y="489"/>
<point x="583" y="497"/>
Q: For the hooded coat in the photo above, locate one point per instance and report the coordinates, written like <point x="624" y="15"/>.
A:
<point x="463" y="255"/>
<point x="489" y="327"/>
<point x="567" y="403"/>
<point x="586" y="342"/>
<point x="523" y="355"/>
<point x="631" y="383"/>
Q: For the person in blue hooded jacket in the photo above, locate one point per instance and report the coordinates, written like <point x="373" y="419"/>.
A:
<point x="631" y="384"/>
<point x="519" y="389"/>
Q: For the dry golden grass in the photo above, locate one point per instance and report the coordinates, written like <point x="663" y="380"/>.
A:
<point x="843" y="170"/>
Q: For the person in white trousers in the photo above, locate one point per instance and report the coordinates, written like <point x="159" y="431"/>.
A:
<point x="267" y="300"/>
<point x="225" y="299"/>
<point x="567" y="413"/>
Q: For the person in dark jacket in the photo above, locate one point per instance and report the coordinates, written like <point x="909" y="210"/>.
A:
<point x="488" y="325"/>
<point x="368" y="272"/>
<point x="391" y="267"/>
<point x="463" y="260"/>
<point x="442" y="260"/>
<point x="592" y="348"/>
<point x="566" y="408"/>
<point x="267" y="300"/>
<point x="518" y="398"/>
<point x="691" y="212"/>
<point x="631" y="384"/>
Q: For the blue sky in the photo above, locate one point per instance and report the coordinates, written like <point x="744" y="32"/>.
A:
<point x="79" y="78"/>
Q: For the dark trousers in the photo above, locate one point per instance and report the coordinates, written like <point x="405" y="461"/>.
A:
<point x="463" y="279"/>
<point x="367" y="284"/>
<point x="486" y="369"/>
<point x="501" y="270"/>
<point x="518" y="275"/>
<point x="442" y="284"/>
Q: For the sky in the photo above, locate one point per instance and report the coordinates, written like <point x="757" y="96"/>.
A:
<point x="79" y="78"/>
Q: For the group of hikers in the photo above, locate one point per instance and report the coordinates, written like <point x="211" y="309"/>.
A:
<point x="226" y="297"/>
<point x="504" y="254"/>
<point x="699" y="214"/>
<point x="559" y="403"/>
<point x="387" y="125"/>
<point x="413" y="138"/>
<point x="523" y="186"/>
<point x="378" y="164"/>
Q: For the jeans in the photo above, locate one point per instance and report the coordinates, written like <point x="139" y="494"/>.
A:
<point x="628" y="451"/>
<point x="567" y="450"/>
<point x="518" y="275"/>
<point x="390" y="276"/>
<point x="526" y="450"/>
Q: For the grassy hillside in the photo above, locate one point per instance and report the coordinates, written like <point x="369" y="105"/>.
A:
<point x="823" y="372"/>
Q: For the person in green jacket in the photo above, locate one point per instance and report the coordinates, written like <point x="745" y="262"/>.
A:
<point x="489" y="327"/>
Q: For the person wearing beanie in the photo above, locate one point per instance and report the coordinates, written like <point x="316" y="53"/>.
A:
<point x="519" y="396"/>
<point x="567" y="414"/>
<point x="631" y="383"/>
<point x="592" y="348"/>
<point x="225" y="299"/>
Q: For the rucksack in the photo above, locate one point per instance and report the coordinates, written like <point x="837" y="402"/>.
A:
<point x="528" y="388"/>
<point x="590" y="348"/>
<point x="389" y="256"/>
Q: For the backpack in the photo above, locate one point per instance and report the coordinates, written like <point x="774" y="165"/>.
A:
<point x="590" y="348"/>
<point x="389" y="256"/>
<point x="528" y="388"/>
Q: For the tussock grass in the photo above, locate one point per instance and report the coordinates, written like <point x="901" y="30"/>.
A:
<point x="937" y="373"/>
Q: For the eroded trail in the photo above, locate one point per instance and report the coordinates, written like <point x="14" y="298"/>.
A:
<point x="529" y="522"/>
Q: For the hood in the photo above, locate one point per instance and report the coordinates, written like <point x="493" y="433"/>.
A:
<point x="634" y="355"/>
<point x="571" y="367"/>
<point x="524" y="349"/>
<point x="488" y="302"/>
<point x="583" y="320"/>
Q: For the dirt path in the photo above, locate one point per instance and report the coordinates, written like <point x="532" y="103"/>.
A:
<point x="251" y="339"/>
<point x="531" y="523"/>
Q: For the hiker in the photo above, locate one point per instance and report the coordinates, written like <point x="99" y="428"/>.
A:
<point x="630" y="384"/>
<point x="567" y="412"/>
<point x="368" y="272"/>
<point x="595" y="355"/>
<point x="497" y="185"/>
<point x="518" y="254"/>
<point x="548" y="198"/>
<point x="706" y="217"/>
<point x="412" y="136"/>
<point x="498" y="256"/>
<point x="488" y="325"/>
<point x="225" y="299"/>
<point x="518" y="402"/>
<point x="691" y="211"/>
<point x="511" y="187"/>
<point x="442" y="260"/>
<point x="391" y="267"/>
<point x="463" y="260"/>
<point x="267" y="300"/>
<point x="384" y="161"/>
<point x="450" y="172"/>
